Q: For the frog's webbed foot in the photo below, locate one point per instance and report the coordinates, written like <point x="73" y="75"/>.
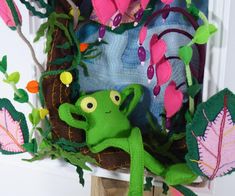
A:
<point x="179" y="174"/>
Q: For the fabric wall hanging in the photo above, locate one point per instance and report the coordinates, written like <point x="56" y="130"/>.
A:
<point x="121" y="89"/>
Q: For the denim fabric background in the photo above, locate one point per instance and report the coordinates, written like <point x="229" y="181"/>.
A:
<point x="119" y="65"/>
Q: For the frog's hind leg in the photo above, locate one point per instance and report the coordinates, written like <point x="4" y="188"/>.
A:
<point x="137" y="163"/>
<point x="153" y="164"/>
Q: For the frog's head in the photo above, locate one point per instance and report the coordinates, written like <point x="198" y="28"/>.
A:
<point x="104" y="112"/>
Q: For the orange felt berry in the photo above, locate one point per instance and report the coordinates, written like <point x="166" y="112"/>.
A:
<point x="83" y="47"/>
<point x="33" y="86"/>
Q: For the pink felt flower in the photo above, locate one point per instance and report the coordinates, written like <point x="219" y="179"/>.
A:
<point x="173" y="99"/>
<point x="167" y="1"/>
<point x="144" y="3"/>
<point x="104" y="10"/>
<point x="10" y="14"/>
<point x="122" y="6"/>
<point x="163" y="72"/>
<point x="157" y="50"/>
<point x="142" y="34"/>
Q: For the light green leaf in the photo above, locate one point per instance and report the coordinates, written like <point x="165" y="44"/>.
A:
<point x="41" y="31"/>
<point x="194" y="90"/>
<point x="212" y="29"/>
<point x="185" y="54"/>
<point x="202" y="35"/>
<point x="13" y="78"/>
<point x="21" y="96"/>
<point x="34" y="117"/>
<point x="3" y="64"/>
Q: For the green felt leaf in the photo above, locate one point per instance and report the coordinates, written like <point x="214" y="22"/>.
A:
<point x="69" y="146"/>
<point x="3" y="64"/>
<point x="206" y="121"/>
<point x="84" y="66"/>
<point x="212" y="29"/>
<point x="65" y="30"/>
<point x="13" y="78"/>
<point x="60" y="61"/>
<point x="194" y="11"/>
<point x="31" y="147"/>
<point x="22" y="97"/>
<point x="185" y="54"/>
<point x="188" y="117"/>
<point x="202" y="35"/>
<point x="80" y="172"/>
<point x="65" y="46"/>
<point x="148" y="184"/>
<point x="41" y="31"/>
<point x="165" y="188"/>
<point x="179" y="174"/>
<point x="34" y="117"/>
<point x="194" y="90"/>
<point x="63" y="16"/>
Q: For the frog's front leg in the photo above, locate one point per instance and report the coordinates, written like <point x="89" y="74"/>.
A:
<point x="134" y="146"/>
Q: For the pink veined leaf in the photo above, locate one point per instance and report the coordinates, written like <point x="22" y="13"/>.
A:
<point x="11" y="135"/>
<point x="216" y="146"/>
<point x="163" y="72"/>
<point x="122" y="6"/>
<point x="173" y="99"/>
<point x="104" y="10"/>
<point x="158" y="50"/>
<point x="167" y="1"/>
<point x="142" y="34"/>
<point x="144" y="3"/>
<point x="7" y="14"/>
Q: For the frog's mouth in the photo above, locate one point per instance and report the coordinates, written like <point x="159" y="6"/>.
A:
<point x="108" y="112"/>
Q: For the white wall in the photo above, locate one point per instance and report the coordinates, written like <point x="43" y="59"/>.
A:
<point x="45" y="178"/>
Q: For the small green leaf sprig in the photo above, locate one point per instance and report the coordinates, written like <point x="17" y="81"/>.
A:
<point x="201" y="36"/>
<point x="20" y="95"/>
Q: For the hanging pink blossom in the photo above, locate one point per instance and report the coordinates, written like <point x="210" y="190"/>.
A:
<point x="167" y="1"/>
<point x="122" y="6"/>
<point x="173" y="99"/>
<point x="142" y="34"/>
<point x="104" y="10"/>
<point x="144" y="3"/>
<point x="10" y="14"/>
<point x="158" y="50"/>
<point x="163" y="72"/>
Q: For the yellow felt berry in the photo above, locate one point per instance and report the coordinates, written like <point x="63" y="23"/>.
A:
<point x="71" y="12"/>
<point x="66" y="78"/>
<point x="43" y="112"/>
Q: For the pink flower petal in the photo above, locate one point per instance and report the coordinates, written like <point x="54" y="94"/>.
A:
<point x="163" y="72"/>
<point x="153" y="40"/>
<point x="143" y="34"/>
<point x="104" y="10"/>
<point x="144" y="3"/>
<point x="173" y="99"/>
<point x="167" y="1"/>
<point x="6" y="14"/>
<point x="122" y="6"/>
<point x="158" y="50"/>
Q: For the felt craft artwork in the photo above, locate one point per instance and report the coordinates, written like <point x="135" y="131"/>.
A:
<point x="210" y="137"/>
<point x="13" y="129"/>
<point x="97" y="122"/>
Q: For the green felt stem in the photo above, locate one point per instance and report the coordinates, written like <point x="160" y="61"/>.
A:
<point x="200" y="14"/>
<point x="31" y="133"/>
<point x="190" y="83"/>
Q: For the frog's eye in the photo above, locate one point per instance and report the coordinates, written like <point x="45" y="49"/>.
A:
<point x="88" y="104"/>
<point x="115" y="97"/>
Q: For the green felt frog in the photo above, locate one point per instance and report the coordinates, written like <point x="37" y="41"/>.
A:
<point x="107" y="125"/>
